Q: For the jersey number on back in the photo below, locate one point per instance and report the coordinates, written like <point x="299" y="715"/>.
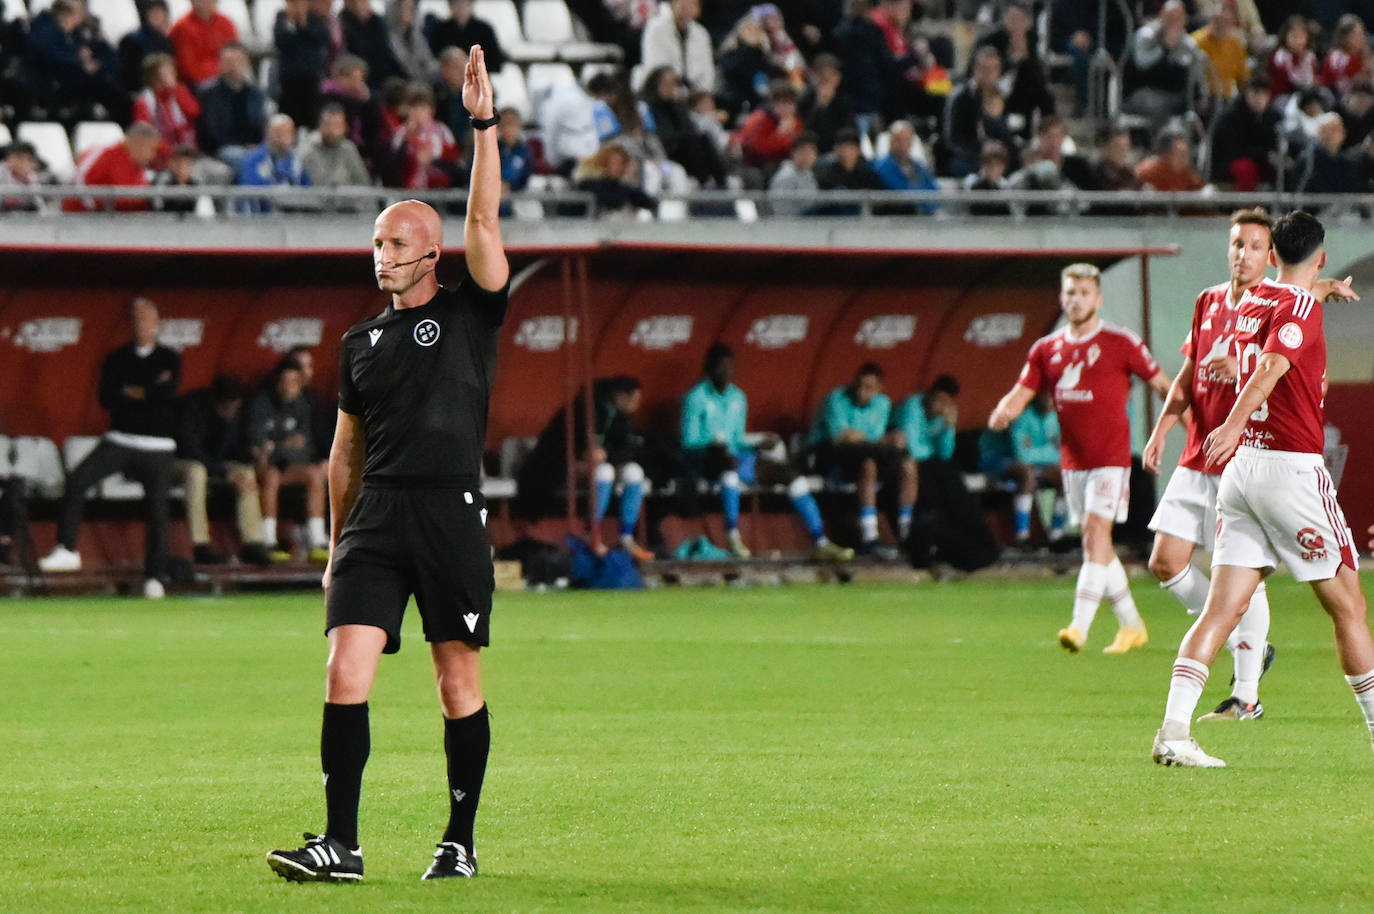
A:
<point x="1249" y="359"/>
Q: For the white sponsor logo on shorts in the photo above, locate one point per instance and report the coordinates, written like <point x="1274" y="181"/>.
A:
<point x="1290" y="334"/>
<point x="471" y="620"/>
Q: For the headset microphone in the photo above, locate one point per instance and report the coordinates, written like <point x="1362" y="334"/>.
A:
<point x="430" y="256"/>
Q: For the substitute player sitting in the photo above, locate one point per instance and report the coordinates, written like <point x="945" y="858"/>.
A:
<point x="1027" y="454"/>
<point x="1186" y="516"/>
<point x="1275" y="502"/>
<point x="713" y="423"/>
<point x="408" y="516"/>
<point x="1089" y="365"/>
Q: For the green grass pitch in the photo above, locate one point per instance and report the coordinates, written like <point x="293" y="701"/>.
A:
<point x="862" y="748"/>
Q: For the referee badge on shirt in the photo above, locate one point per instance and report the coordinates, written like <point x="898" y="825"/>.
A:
<point x="427" y="332"/>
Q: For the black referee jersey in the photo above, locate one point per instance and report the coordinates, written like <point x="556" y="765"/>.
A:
<point x="421" y="379"/>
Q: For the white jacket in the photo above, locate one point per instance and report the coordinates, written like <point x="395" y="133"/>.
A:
<point x="692" y="57"/>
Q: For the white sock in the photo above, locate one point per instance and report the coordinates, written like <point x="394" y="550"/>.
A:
<point x="269" y="531"/>
<point x="868" y="527"/>
<point x="1185" y="690"/>
<point x="318" y="536"/>
<point x="1189" y="587"/>
<point x="1091" y="582"/>
<point x="1118" y="590"/>
<point x="1363" y="687"/>
<point x="1248" y="643"/>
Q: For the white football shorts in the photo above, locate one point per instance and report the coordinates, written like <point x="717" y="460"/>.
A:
<point x="1280" y="507"/>
<point x="1104" y="491"/>
<point x="1188" y="509"/>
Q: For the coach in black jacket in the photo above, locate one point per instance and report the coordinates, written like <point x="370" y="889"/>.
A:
<point x="138" y="386"/>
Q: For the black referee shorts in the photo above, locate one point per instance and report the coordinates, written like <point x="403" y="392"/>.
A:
<point x="430" y="542"/>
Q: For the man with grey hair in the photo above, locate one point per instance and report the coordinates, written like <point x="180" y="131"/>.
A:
<point x="275" y="163"/>
<point x="331" y="159"/>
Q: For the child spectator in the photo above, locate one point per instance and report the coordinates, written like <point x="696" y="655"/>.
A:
<point x="517" y="157"/>
<point x="425" y="149"/>
<point x="766" y="137"/>
<point x="1292" y="66"/>
<point x="1349" y="56"/>
<point x="991" y="176"/>
<point x="180" y="172"/>
<point x="166" y="104"/>
<point x="846" y="168"/>
<point x="796" y="176"/>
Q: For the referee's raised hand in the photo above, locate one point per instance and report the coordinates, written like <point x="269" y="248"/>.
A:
<point x="478" y="96"/>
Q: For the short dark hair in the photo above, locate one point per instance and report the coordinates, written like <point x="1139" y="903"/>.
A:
<point x="945" y="384"/>
<point x="21" y="147"/>
<point x="847" y="135"/>
<point x="806" y="138"/>
<point x="1258" y="83"/>
<point x="780" y="90"/>
<point x="332" y="108"/>
<point x="224" y="389"/>
<point x="1297" y="236"/>
<point x="602" y="84"/>
<point x="184" y="151"/>
<point x="1166" y="139"/>
<point x="869" y="368"/>
<point x="718" y="353"/>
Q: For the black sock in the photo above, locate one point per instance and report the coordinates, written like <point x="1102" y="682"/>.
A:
<point x="466" y="741"/>
<point x="345" y="742"/>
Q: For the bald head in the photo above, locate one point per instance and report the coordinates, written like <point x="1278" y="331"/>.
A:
<point x="403" y="237"/>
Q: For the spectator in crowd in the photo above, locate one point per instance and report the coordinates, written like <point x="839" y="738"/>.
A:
<point x="714" y="415"/>
<point x="918" y="81"/>
<point x="1249" y="24"/>
<point x="1293" y="65"/>
<point x="333" y="27"/>
<point x="462" y="30"/>
<point x="866" y="62"/>
<point x="1330" y="168"/>
<point x="709" y="119"/>
<point x="1301" y="111"/>
<point x="845" y="168"/>
<point x="198" y="37"/>
<point x="1245" y="139"/>
<point x="674" y="38"/>
<point x="1046" y="166"/>
<point x="448" y="92"/>
<point x="180" y="172"/>
<point x="122" y="164"/>
<point x="166" y="104"/>
<point x="976" y="113"/>
<point x="19" y="169"/>
<point x="331" y="159"/>
<point x="1221" y="41"/>
<point x="1161" y="65"/>
<point x="138" y="387"/>
<point x="1028" y="92"/>
<point x="367" y="36"/>
<point x="1074" y="30"/>
<point x="348" y="86"/>
<point x="621" y="116"/>
<point x="281" y="440"/>
<point x="747" y="65"/>
<point x="274" y="163"/>
<point x="617" y="458"/>
<point x="302" y="41"/>
<point x="424" y="148"/>
<point x="409" y="45"/>
<point x="1111" y="167"/>
<point x="517" y="155"/>
<point x="824" y="107"/>
<point x="991" y="176"/>
<point x="67" y="67"/>
<point x="796" y="176"/>
<point x="149" y="38"/>
<point x="611" y="175"/>
<point x="849" y="443"/>
<point x="677" y="130"/>
<point x="1357" y="110"/>
<point x="233" y="111"/>
<point x="567" y="119"/>
<point x="900" y="169"/>
<point x="212" y="444"/>
<point x="1171" y="166"/>
<point x="765" y="139"/>
<point x="1027" y="454"/>
<point x="1349" y="57"/>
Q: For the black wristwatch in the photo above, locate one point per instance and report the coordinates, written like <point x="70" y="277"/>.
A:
<point x="480" y="124"/>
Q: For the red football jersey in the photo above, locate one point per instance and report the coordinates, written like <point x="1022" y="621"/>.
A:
<point x="1213" y="333"/>
<point x="1284" y="319"/>
<point x="1091" y="378"/>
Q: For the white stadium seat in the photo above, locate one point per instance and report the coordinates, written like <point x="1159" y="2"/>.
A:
<point x="37" y="460"/>
<point x="6" y="450"/>
<point x="74" y="450"/>
<point x="541" y="76"/>
<point x="178" y="8"/>
<point x="504" y="19"/>
<point x="265" y="19"/>
<point x="237" y="11"/>
<point x="511" y="91"/>
<point x="548" y="22"/>
<point x="50" y="142"/>
<point x="95" y="134"/>
<point x="5" y="137"/>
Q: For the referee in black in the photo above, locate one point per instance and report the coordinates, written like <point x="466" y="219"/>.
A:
<point x="406" y="504"/>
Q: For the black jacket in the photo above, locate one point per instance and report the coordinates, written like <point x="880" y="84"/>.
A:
<point x="205" y="436"/>
<point x="140" y="393"/>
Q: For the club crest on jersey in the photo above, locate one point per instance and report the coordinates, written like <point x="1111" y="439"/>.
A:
<point x="1314" y="547"/>
<point x="427" y="332"/>
<point x="1290" y="334"/>
<point x="1094" y="353"/>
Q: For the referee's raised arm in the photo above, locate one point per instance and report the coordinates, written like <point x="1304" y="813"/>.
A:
<point x="486" y="257"/>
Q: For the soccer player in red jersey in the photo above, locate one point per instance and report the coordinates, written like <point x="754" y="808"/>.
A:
<point x="1186" y="516"/>
<point x="1276" y="502"/>
<point x="1089" y="365"/>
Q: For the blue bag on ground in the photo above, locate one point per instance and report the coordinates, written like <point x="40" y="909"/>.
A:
<point x="614" y="571"/>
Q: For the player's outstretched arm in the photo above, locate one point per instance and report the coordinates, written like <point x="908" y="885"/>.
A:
<point x="1010" y="406"/>
<point x="486" y="256"/>
<point x="1225" y="438"/>
<point x="1178" y="399"/>
<point x="1338" y="289"/>
<point x="346" y="458"/>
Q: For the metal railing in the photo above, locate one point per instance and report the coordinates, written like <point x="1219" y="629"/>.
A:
<point x="239" y="203"/>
